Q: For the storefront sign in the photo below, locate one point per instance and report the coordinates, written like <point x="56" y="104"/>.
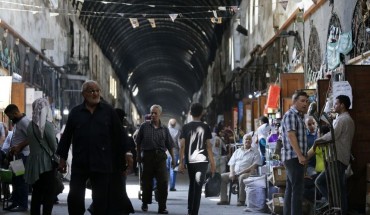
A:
<point x="6" y="90"/>
<point x="342" y="88"/>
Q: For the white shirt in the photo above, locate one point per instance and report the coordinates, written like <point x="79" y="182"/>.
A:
<point x="244" y="158"/>
<point x="6" y="144"/>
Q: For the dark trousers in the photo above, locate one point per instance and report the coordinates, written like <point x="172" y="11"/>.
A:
<point x="43" y="193"/>
<point x="293" y="197"/>
<point x="197" y="176"/>
<point x="20" y="187"/>
<point x="154" y="166"/>
<point x="100" y="184"/>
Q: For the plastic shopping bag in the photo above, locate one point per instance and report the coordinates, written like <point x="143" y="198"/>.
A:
<point x="17" y="167"/>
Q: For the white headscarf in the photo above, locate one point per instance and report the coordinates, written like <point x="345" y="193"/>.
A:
<point x="41" y="113"/>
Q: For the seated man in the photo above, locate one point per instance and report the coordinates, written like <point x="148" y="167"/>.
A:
<point x="243" y="163"/>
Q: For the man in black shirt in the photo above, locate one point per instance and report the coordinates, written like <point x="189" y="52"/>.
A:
<point x="98" y="146"/>
<point x="153" y="139"/>
<point x="196" y="148"/>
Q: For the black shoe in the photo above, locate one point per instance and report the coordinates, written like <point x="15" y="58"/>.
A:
<point x="163" y="211"/>
<point x="144" y="207"/>
<point x="18" y="209"/>
<point x="10" y="207"/>
<point x="172" y="189"/>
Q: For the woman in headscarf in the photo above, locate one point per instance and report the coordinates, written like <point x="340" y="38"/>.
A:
<point x="40" y="172"/>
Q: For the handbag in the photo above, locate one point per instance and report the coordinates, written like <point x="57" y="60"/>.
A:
<point x="213" y="185"/>
<point x="54" y="158"/>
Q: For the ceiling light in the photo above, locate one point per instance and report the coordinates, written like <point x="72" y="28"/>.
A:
<point x="135" y="91"/>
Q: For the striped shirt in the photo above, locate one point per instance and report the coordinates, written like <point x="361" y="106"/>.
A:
<point x="293" y="121"/>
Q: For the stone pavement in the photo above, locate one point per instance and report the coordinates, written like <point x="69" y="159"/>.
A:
<point x="176" y="204"/>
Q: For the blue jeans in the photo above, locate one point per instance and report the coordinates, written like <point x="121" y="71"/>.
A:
<point x="20" y="187"/>
<point x="294" y="187"/>
<point x="172" y="172"/>
<point x="322" y="185"/>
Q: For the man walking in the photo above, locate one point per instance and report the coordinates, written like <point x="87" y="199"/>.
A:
<point x="293" y="153"/>
<point x="98" y="146"/>
<point x="153" y="139"/>
<point x="196" y="148"/>
<point x="19" y="149"/>
<point x="175" y="134"/>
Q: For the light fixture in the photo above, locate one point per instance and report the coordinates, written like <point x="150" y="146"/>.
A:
<point x="135" y="90"/>
<point x="65" y="111"/>
<point x="285" y="33"/>
<point x="5" y="33"/>
<point x="242" y="30"/>
<point x="250" y="96"/>
<point x="268" y="74"/>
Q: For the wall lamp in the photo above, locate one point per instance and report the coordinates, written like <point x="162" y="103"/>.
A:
<point x="242" y="30"/>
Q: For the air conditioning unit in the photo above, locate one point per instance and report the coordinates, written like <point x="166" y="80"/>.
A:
<point x="47" y="44"/>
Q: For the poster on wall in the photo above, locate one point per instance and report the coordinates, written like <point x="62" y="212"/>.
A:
<point x="342" y="88"/>
<point x="235" y="117"/>
<point x="6" y="90"/>
<point x="248" y="115"/>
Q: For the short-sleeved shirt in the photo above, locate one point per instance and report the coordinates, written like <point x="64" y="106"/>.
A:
<point x="20" y="134"/>
<point x="293" y="121"/>
<point x="244" y="158"/>
<point x="2" y="130"/>
<point x="196" y="134"/>
<point x="151" y="138"/>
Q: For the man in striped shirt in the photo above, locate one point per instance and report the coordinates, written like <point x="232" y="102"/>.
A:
<point x="294" y="151"/>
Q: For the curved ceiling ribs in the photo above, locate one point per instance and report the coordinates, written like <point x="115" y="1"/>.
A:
<point x="168" y="63"/>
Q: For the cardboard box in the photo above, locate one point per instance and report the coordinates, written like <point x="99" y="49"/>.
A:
<point x="278" y="176"/>
<point x="278" y="203"/>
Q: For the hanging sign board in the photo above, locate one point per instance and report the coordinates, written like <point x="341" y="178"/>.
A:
<point x="273" y="96"/>
<point x="342" y="88"/>
<point x="6" y="90"/>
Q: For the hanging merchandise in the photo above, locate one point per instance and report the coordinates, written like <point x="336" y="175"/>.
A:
<point x="345" y="43"/>
<point x="332" y="55"/>
<point x="273" y="96"/>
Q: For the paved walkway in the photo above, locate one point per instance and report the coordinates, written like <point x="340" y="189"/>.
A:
<point x="176" y="204"/>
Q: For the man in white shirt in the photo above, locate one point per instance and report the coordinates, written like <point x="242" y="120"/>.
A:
<point x="2" y="133"/>
<point x="243" y="163"/>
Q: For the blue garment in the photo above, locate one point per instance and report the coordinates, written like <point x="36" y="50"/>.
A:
<point x="311" y="137"/>
<point x="172" y="172"/>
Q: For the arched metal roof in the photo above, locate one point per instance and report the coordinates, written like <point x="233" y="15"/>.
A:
<point x="167" y="63"/>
